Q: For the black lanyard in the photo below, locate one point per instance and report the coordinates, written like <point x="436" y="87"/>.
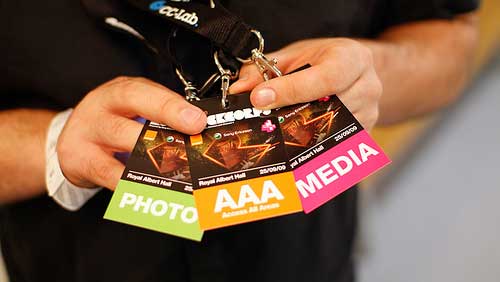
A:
<point x="155" y="23"/>
<point x="157" y="35"/>
<point x="223" y="28"/>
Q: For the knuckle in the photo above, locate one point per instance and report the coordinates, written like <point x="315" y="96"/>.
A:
<point x="166" y="105"/>
<point x="338" y="49"/>
<point x="120" y="79"/>
<point x="140" y="80"/>
<point x="291" y="92"/>
<point x="96" y="172"/>
<point x="343" y="46"/>
<point x="375" y="88"/>
<point x="368" y="53"/>
<point x="115" y="127"/>
<point x="365" y="55"/>
<point x="327" y="78"/>
<point x="120" y="88"/>
<point x="126" y="90"/>
<point x="128" y="87"/>
<point x="358" y="52"/>
<point x="91" y="96"/>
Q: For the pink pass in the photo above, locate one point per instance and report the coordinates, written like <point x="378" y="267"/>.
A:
<point x="338" y="169"/>
<point x="328" y="149"/>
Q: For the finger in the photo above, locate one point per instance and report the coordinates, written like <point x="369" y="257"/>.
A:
<point x="352" y="97"/>
<point x="362" y="99"/>
<point x="250" y="75"/>
<point x="118" y="133"/>
<point x="313" y="83"/>
<point x="289" y="59"/>
<point x="103" y="170"/>
<point x="365" y="92"/>
<point x="136" y="96"/>
<point x="248" y="79"/>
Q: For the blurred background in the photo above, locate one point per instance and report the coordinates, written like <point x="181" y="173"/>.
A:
<point x="434" y="213"/>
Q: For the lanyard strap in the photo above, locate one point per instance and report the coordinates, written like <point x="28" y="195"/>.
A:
<point x="224" y="29"/>
<point x="159" y="36"/>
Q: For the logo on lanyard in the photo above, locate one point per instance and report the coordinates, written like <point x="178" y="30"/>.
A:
<point x="175" y="13"/>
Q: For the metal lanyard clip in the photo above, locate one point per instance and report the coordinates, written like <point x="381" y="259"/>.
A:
<point x="190" y="91"/>
<point x="267" y="67"/>
<point x="226" y="77"/>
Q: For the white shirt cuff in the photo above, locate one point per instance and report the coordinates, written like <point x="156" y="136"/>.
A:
<point x="67" y="195"/>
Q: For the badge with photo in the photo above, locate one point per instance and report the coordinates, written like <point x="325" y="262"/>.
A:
<point x="155" y="191"/>
<point x="239" y="167"/>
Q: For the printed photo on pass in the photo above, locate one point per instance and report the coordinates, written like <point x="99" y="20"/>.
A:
<point x="306" y="125"/>
<point x="161" y="152"/>
<point x="240" y="146"/>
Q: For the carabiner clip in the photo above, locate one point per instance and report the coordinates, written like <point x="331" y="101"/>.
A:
<point x="190" y="91"/>
<point x="267" y="67"/>
<point x="226" y="77"/>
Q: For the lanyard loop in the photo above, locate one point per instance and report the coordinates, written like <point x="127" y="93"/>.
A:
<point x="190" y="91"/>
<point x="267" y="67"/>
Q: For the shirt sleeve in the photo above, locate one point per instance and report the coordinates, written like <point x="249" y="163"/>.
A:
<point x="402" y="11"/>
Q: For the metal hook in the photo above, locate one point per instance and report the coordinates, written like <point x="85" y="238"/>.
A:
<point x="267" y="67"/>
<point x="260" y="48"/>
<point x="226" y="77"/>
<point x="191" y="93"/>
<point x="222" y="70"/>
<point x="225" y="90"/>
<point x="208" y="84"/>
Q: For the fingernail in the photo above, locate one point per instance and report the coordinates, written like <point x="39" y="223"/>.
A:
<point x="190" y="115"/>
<point x="264" y="97"/>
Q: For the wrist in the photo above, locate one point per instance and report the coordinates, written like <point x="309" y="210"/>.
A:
<point x="23" y="153"/>
<point x="66" y="194"/>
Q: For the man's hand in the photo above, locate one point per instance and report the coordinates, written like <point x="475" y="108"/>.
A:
<point x="103" y="124"/>
<point x="339" y="66"/>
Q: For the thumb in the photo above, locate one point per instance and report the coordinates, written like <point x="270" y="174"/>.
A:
<point x="299" y="87"/>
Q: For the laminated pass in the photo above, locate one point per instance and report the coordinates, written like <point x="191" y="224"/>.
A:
<point x="328" y="149"/>
<point x="155" y="190"/>
<point x="239" y="168"/>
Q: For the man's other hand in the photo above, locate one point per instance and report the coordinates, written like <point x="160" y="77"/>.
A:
<point x="103" y="124"/>
<point x="339" y="66"/>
